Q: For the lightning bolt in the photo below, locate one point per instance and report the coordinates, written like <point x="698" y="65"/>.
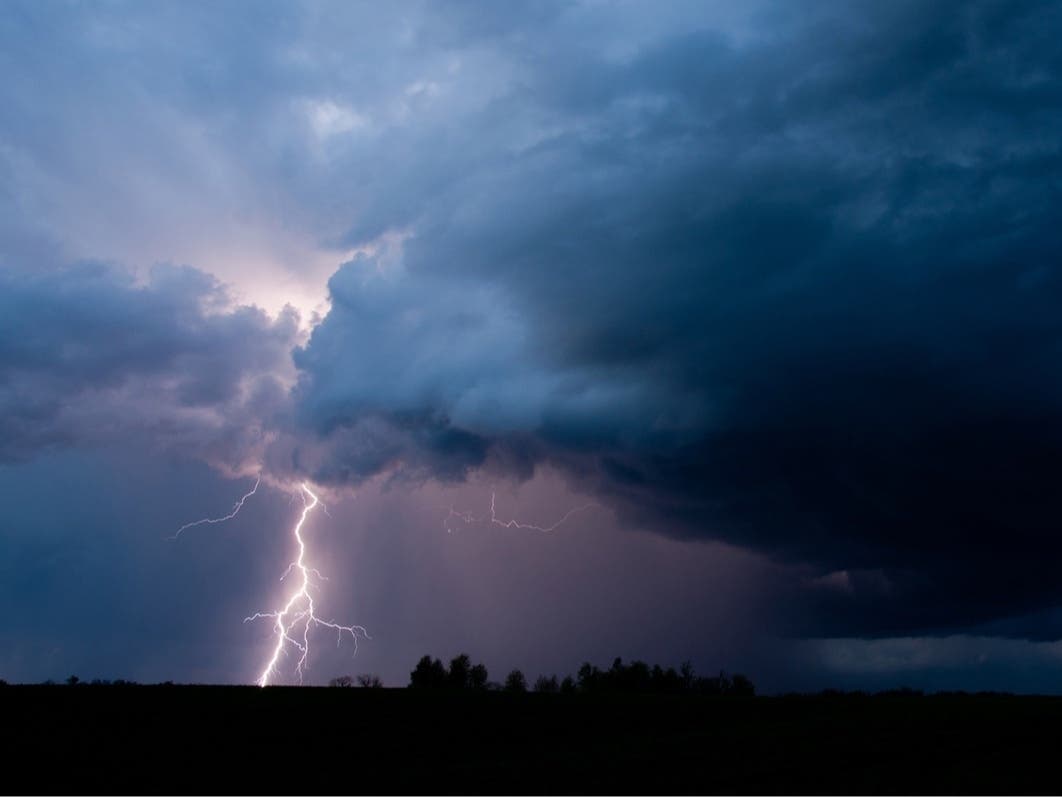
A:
<point x="293" y="623"/>
<point x="211" y="520"/>
<point x="469" y="518"/>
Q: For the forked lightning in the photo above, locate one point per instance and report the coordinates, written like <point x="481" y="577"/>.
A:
<point x="292" y="624"/>
<point x="299" y="612"/>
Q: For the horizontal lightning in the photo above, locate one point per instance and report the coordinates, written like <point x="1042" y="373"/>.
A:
<point x="469" y="518"/>
<point x="211" y="520"/>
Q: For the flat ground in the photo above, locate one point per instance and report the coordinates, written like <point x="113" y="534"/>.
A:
<point x="88" y="739"/>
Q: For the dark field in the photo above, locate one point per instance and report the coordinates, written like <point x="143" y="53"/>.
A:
<point x="310" y="740"/>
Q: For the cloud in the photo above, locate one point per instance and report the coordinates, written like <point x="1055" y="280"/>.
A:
<point x="89" y="355"/>
<point x="795" y="291"/>
<point x="781" y="278"/>
<point x="934" y="663"/>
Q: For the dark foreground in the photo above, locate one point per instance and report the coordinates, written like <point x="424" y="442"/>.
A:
<point x="242" y="739"/>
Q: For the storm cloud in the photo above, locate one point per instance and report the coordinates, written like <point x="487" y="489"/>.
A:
<point x="89" y="356"/>
<point x="781" y="276"/>
<point x="795" y="290"/>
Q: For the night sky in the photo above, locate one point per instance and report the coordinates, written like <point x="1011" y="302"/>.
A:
<point x="775" y="286"/>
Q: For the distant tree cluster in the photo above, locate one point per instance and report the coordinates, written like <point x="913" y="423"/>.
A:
<point x="640" y="677"/>
<point x="462" y="674"/>
<point x="74" y="680"/>
<point x="368" y="681"/>
<point x="634" y="677"/>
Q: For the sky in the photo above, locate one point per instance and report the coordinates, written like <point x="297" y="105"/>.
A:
<point x="767" y="291"/>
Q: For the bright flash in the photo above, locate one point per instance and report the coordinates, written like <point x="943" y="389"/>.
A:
<point x="293" y="623"/>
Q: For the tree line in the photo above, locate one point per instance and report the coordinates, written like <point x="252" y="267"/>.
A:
<point x="462" y="675"/>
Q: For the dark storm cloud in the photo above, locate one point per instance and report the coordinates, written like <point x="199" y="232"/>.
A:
<point x="783" y="275"/>
<point x="796" y="289"/>
<point x="89" y="355"/>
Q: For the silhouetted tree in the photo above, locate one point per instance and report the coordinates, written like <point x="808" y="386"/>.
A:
<point x="567" y="686"/>
<point x="370" y="681"/>
<point x="515" y="682"/>
<point x="667" y="681"/>
<point x="460" y="672"/>
<point x="477" y="677"/>
<point x="342" y="681"/>
<point x="428" y="674"/>
<point x="713" y="686"/>
<point x="740" y="686"/>
<point x="589" y="677"/>
<point x="687" y="674"/>
<point x="637" y="678"/>
<point x="73" y="680"/>
<point x="620" y="677"/>
<point x="547" y="685"/>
